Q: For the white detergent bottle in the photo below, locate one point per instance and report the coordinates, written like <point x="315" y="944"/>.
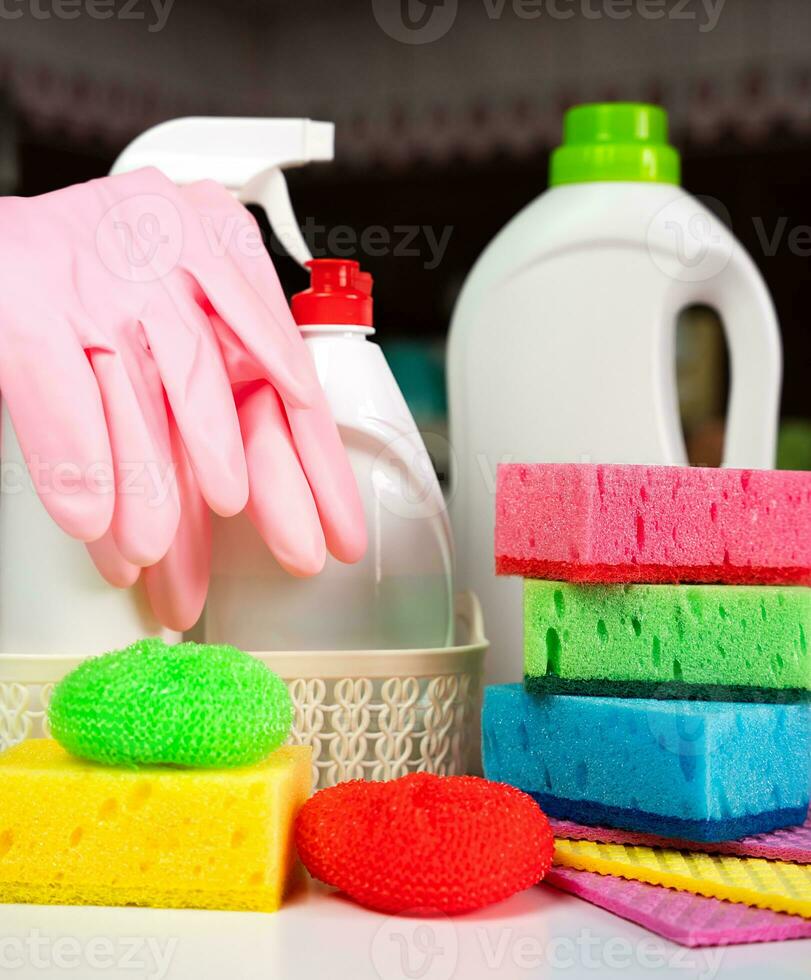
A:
<point x="400" y="595"/>
<point x="562" y="342"/>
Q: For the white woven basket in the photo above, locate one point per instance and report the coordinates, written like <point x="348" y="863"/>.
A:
<point x="368" y="714"/>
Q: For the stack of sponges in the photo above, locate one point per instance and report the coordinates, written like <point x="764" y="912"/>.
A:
<point x="165" y="786"/>
<point x="667" y="670"/>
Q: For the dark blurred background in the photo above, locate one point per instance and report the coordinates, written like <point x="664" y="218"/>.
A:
<point x="445" y="115"/>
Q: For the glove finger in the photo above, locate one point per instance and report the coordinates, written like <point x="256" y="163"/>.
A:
<point x="280" y="505"/>
<point x="178" y="584"/>
<point x="112" y="565"/>
<point x="331" y="479"/>
<point x="225" y="253"/>
<point x="146" y="506"/>
<point x="58" y="416"/>
<point x="191" y="367"/>
<point x="240" y="364"/>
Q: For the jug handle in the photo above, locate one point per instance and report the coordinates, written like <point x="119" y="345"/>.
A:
<point x="740" y="297"/>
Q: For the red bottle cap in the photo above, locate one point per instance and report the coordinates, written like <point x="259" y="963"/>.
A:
<point x="339" y="293"/>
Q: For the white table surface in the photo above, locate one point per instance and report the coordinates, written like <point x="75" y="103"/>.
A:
<point x="320" y="935"/>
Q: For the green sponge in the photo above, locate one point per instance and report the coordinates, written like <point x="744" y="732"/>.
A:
<point x="714" y="642"/>
<point x="186" y="705"/>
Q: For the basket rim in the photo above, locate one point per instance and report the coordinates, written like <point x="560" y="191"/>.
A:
<point x="309" y="664"/>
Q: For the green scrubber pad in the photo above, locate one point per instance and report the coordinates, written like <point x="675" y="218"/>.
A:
<point x="731" y="643"/>
<point x="186" y="705"/>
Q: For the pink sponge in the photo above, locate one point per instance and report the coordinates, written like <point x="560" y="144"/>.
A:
<point x="602" y="523"/>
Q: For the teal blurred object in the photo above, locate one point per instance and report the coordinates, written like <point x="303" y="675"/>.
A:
<point x="794" y="445"/>
<point x="419" y="368"/>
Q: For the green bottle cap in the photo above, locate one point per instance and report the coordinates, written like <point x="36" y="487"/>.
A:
<point x="615" y="141"/>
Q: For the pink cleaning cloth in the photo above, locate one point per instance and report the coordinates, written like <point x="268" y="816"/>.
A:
<point x="691" y="920"/>
<point x="788" y="844"/>
<point x="603" y="523"/>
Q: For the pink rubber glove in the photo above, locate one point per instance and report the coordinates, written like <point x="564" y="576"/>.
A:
<point x="128" y="310"/>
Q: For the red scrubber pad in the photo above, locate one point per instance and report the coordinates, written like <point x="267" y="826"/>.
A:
<point x="426" y="843"/>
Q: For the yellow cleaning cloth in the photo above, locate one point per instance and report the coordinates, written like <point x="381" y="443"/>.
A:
<point x="77" y="833"/>
<point x="774" y="885"/>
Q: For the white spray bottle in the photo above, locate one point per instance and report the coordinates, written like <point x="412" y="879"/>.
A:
<point x="60" y="605"/>
<point x="401" y="594"/>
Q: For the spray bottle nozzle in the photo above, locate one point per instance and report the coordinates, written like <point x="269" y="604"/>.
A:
<point x="245" y="155"/>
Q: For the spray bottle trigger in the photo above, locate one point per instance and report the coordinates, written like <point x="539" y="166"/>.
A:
<point x="269" y="190"/>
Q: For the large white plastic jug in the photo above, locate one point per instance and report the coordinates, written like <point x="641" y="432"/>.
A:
<point x="400" y="595"/>
<point x="562" y="344"/>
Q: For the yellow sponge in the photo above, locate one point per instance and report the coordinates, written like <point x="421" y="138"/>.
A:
<point x="775" y="885"/>
<point x="77" y="833"/>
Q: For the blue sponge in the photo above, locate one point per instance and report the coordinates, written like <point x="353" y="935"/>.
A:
<point x="697" y="770"/>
